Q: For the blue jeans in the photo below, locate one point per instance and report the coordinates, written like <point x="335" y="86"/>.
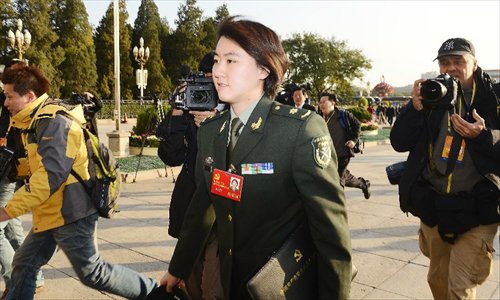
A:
<point x="11" y="235"/>
<point x="78" y="241"/>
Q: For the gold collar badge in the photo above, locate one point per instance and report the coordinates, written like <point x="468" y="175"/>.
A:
<point x="257" y="124"/>
<point x="223" y="126"/>
<point x="306" y="114"/>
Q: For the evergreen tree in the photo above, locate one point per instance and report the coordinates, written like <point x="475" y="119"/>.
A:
<point x="148" y="25"/>
<point x="104" y="48"/>
<point x="7" y="15"/>
<point x="185" y="46"/>
<point x="210" y="26"/>
<point x="75" y="37"/>
<point x="43" y="51"/>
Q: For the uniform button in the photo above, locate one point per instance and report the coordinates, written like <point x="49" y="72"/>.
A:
<point x="229" y="217"/>
<point x="230" y="252"/>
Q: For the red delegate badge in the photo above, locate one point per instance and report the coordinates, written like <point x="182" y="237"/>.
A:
<point x="227" y="185"/>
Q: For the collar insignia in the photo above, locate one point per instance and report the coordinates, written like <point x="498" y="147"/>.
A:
<point x="306" y="114"/>
<point x="293" y="111"/>
<point x="223" y="126"/>
<point x="257" y="124"/>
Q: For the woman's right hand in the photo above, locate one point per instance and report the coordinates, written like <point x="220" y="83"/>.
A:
<point x="169" y="281"/>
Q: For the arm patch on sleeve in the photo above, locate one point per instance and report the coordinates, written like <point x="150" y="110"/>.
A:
<point x="322" y="150"/>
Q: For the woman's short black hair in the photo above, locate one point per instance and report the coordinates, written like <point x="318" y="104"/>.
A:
<point x="261" y="43"/>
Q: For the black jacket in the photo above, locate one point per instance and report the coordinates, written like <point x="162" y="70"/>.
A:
<point x="351" y="125"/>
<point x="410" y="133"/>
<point x="178" y="147"/>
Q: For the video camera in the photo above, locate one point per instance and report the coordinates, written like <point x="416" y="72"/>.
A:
<point x="91" y="105"/>
<point x="199" y="93"/>
<point x="440" y="92"/>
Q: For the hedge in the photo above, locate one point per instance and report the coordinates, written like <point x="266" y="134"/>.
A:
<point x="361" y="113"/>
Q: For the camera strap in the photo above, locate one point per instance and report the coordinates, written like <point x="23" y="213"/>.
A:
<point x="453" y="155"/>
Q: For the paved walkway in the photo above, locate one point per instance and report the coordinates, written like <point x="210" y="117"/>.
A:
<point x="384" y="240"/>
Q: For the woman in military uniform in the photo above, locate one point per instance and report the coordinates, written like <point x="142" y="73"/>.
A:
<point x="286" y="166"/>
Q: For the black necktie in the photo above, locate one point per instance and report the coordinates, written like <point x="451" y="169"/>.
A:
<point x="236" y="125"/>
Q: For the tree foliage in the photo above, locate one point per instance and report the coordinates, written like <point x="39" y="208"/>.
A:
<point x="210" y="26"/>
<point x="148" y="25"/>
<point x="64" y="48"/>
<point x="7" y="15"/>
<point x="324" y="63"/>
<point x="184" y="46"/>
<point x="75" y="37"/>
<point x="43" y="51"/>
<point x="104" y="48"/>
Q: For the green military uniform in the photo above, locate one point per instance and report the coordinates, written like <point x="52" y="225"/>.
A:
<point x="304" y="184"/>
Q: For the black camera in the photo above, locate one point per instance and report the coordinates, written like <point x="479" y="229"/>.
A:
<point x="395" y="172"/>
<point x="91" y="105"/>
<point x="440" y="92"/>
<point x="7" y="161"/>
<point x="199" y="94"/>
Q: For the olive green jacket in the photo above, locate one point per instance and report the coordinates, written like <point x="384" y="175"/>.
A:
<point x="304" y="185"/>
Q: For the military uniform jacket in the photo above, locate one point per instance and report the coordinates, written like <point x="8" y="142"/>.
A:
<point x="304" y="185"/>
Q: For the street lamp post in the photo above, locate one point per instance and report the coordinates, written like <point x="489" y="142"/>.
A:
<point x="20" y="42"/>
<point x="141" y="55"/>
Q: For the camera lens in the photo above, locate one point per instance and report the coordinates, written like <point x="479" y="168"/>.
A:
<point x="200" y="97"/>
<point x="432" y="90"/>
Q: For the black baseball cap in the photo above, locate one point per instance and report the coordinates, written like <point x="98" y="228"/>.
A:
<point x="456" y="46"/>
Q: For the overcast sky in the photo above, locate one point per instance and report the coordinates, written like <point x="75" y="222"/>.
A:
<point x="401" y="38"/>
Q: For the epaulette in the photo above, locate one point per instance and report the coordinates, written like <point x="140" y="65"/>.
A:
<point x="217" y="116"/>
<point x="291" y="112"/>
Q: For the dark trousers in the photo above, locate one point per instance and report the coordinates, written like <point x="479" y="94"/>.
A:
<point x="346" y="178"/>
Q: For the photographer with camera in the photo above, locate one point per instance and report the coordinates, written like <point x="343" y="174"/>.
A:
<point x="451" y="179"/>
<point x="178" y="146"/>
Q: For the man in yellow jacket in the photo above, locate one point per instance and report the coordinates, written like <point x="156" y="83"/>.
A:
<point x="63" y="213"/>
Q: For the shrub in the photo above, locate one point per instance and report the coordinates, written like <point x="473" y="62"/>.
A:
<point x="131" y="108"/>
<point x="363" y="102"/>
<point x="369" y="126"/>
<point x="136" y="141"/>
<point x="360" y="113"/>
<point x="147" y="120"/>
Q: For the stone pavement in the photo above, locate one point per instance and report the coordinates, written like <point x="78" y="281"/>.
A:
<point x="384" y="240"/>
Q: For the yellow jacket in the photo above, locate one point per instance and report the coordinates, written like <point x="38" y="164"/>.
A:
<point x="55" y="144"/>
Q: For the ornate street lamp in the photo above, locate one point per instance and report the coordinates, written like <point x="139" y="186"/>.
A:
<point x="20" y="42"/>
<point x="141" y="55"/>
